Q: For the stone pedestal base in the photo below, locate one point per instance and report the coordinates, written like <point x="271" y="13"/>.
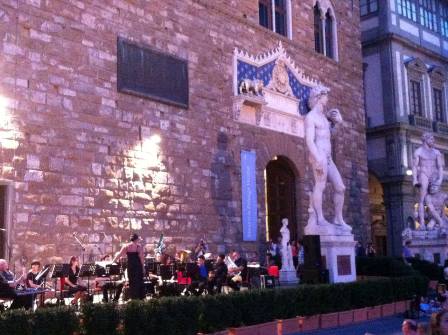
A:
<point x="433" y="250"/>
<point x="288" y="277"/>
<point x="339" y="253"/>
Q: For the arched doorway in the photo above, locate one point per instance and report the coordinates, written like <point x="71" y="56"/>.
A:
<point x="378" y="215"/>
<point x="280" y="197"/>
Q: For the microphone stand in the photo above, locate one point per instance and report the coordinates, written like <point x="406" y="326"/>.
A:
<point x="83" y="248"/>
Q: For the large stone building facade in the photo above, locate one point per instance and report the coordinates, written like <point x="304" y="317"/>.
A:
<point x="79" y="156"/>
<point x="405" y="49"/>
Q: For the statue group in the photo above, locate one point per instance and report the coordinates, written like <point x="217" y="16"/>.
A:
<point x="427" y="171"/>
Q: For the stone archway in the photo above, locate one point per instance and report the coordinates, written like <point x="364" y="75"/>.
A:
<point x="280" y="182"/>
<point x="378" y="215"/>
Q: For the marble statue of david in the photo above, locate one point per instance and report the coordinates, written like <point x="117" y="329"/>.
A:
<point x="318" y="124"/>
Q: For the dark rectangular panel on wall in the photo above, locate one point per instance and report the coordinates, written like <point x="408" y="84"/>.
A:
<point x="151" y="74"/>
<point x="3" y="221"/>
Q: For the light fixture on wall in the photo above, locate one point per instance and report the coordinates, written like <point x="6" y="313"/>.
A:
<point x="408" y="172"/>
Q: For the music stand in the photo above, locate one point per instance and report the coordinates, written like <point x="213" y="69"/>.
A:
<point x="114" y="270"/>
<point x="166" y="271"/>
<point x="150" y="265"/>
<point x="191" y="270"/>
<point x="60" y="271"/>
<point x="87" y="270"/>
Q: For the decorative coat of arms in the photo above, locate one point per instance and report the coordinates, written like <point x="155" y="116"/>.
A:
<point x="271" y="91"/>
<point x="280" y="79"/>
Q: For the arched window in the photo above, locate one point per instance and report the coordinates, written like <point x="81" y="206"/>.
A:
<point x="329" y="35"/>
<point x="325" y="29"/>
<point x="318" y="30"/>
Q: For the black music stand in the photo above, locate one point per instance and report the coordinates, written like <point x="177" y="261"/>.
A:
<point x="60" y="271"/>
<point x="87" y="270"/>
<point x="191" y="270"/>
<point x="114" y="270"/>
<point x="165" y="272"/>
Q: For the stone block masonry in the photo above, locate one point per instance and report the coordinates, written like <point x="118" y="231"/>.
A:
<point x="78" y="154"/>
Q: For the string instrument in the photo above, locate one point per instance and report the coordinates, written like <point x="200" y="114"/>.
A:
<point x="160" y="246"/>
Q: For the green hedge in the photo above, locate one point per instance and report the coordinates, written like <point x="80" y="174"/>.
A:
<point x="428" y="269"/>
<point x="188" y="315"/>
<point x="45" y="321"/>
<point x="383" y="266"/>
<point x="395" y="267"/>
<point x="100" y="319"/>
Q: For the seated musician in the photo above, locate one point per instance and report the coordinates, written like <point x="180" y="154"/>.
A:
<point x="218" y="276"/>
<point x="31" y="280"/>
<point x="8" y="285"/>
<point x="239" y="273"/>
<point x="109" y="284"/>
<point x="200" y="277"/>
<point x="79" y="291"/>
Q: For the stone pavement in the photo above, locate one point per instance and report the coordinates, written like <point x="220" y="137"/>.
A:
<point x="385" y="326"/>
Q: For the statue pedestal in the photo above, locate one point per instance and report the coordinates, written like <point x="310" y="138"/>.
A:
<point x="288" y="277"/>
<point x="339" y="253"/>
<point x="429" y="245"/>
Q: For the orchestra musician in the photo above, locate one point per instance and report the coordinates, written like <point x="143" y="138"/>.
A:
<point x="8" y="284"/>
<point x="136" y="266"/>
<point x="31" y="280"/>
<point x="201" y="248"/>
<point x="79" y="291"/>
<point x="200" y="278"/>
<point x="218" y="276"/>
<point x="237" y="273"/>
<point x="109" y="284"/>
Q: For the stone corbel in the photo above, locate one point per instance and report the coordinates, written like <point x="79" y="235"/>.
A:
<point x="251" y="100"/>
<point x="237" y="106"/>
<point x="258" y="116"/>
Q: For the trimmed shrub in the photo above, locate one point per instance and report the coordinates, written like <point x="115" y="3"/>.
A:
<point x="382" y="266"/>
<point x="169" y="316"/>
<point x="219" y="312"/>
<point x="188" y="315"/>
<point x="428" y="269"/>
<point x="100" y="319"/>
<point x="54" y="321"/>
<point x="15" y="322"/>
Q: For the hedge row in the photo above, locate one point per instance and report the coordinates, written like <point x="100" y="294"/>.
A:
<point x="395" y="267"/>
<point x="188" y="315"/>
<point x="383" y="266"/>
<point x="428" y="269"/>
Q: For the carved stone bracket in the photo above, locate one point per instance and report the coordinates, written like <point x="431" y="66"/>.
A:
<point x="253" y="102"/>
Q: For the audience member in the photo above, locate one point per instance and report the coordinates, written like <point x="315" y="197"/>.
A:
<point x="409" y="327"/>
<point x="439" y="323"/>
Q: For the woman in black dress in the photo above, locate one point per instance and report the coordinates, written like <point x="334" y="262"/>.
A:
<point x="78" y="291"/>
<point x="136" y="264"/>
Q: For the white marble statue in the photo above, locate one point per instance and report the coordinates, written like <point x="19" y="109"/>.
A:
<point x="427" y="168"/>
<point x="287" y="263"/>
<point x="436" y="200"/>
<point x="318" y="124"/>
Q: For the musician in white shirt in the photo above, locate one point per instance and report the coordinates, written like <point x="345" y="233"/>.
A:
<point x="8" y="284"/>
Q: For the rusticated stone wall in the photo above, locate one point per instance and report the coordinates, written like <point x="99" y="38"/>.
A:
<point x="78" y="155"/>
